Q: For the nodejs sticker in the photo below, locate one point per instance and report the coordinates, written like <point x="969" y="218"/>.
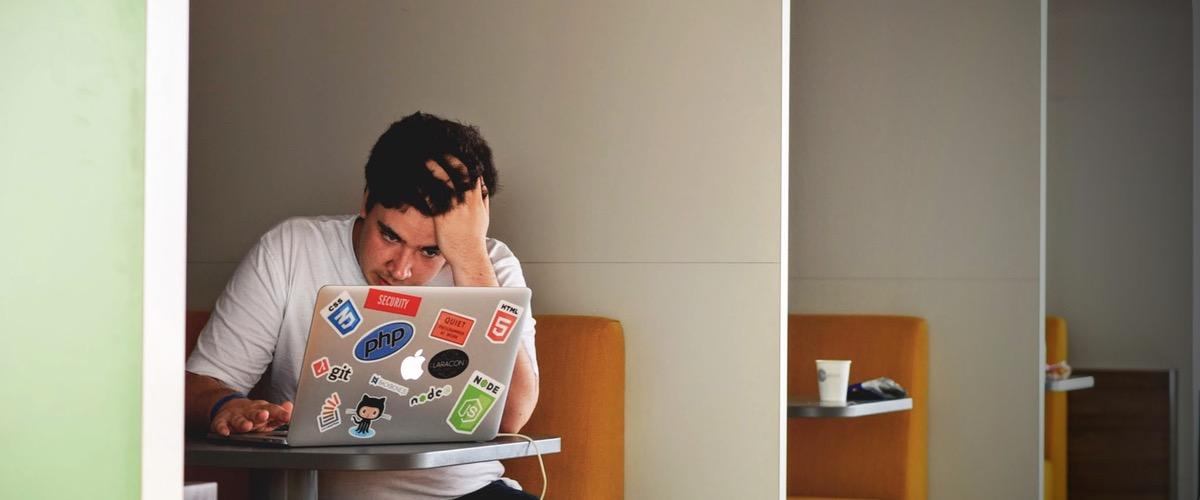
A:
<point x="396" y="303"/>
<point x="386" y="384"/>
<point x="342" y="315"/>
<point x="385" y="340"/>
<point x="320" y="367"/>
<point x="452" y="327"/>
<point x="369" y="409"/>
<point x="329" y="416"/>
<point x="503" y="321"/>
<point x="474" y="403"/>
<point x="430" y="395"/>
<point x="340" y="373"/>
<point x="448" y="363"/>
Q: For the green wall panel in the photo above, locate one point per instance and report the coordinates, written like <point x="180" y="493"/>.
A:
<point x="71" y="171"/>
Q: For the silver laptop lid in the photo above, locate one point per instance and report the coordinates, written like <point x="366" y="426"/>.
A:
<point x="389" y="365"/>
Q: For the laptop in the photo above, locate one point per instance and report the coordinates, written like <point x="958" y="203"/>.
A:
<point x="388" y="365"/>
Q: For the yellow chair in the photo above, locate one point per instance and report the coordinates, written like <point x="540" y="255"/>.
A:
<point x="1056" y="414"/>
<point x="881" y="456"/>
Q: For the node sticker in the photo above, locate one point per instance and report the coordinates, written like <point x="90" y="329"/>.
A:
<point x="342" y="315"/>
<point x="503" y="321"/>
<point x="430" y="395"/>
<point x="395" y="303"/>
<point x="329" y="416"/>
<point x="452" y="327"/>
<point x="386" y="384"/>
<point x="383" y="341"/>
<point x="474" y="403"/>
<point x="320" y="367"/>
<point x="448" y="363"/>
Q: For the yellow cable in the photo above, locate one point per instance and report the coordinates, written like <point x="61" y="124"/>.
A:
<point x="541" y="464"/>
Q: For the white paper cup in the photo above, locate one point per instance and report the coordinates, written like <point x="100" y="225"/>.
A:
<point x="833" y="379"/>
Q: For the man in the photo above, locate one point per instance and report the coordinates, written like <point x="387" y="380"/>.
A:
<point x="423" y="221"/>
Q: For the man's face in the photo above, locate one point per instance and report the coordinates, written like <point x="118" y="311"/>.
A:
<point x="397" y="247"/>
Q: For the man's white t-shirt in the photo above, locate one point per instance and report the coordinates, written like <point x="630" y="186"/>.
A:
<point x="260" y="326"/>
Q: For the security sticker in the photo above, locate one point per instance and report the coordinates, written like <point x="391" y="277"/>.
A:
<point x="474" y="403"/>
<point x="320" y="367"/>
<point x="385" y="340"/>
<point x="386" y="384"/>
<point x="395" y="303"/>
<point x="503" y="321"/>
<point x="370" y="409"/>
<point x="452" y="327"/>
<point x="430" y="395"/>
<point x="342" y="315"/>
<point x="340" y="373"/>
<point x="329" y="416"/>
<point x="448" y="363"/>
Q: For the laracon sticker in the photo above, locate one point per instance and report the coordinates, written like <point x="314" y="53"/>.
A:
<point x="340" y="373"/>
<point x="320" y="367"/>
<point x="329" y="416"/>
<point x="386" y="384"/>
<point x="474" y="403"/>
<point x="385" y="340"/>
<point x="370" y="409"/>
<point x="396" y="303"/>
<point x="452" y="327"/>
<point x="503" y="321"/>
<point x="342" y="315"/>
<point x="448" y="363"/>
<point x="430" y="395"/>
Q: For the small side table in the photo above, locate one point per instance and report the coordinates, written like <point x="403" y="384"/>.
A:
<point x="813" y="408"/>
<point x="1070" y="384"/>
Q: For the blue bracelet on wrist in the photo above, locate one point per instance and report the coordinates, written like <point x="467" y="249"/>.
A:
<point x="221" y="402"/>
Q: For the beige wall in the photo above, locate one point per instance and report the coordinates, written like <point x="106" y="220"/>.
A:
<point x="1119" y="190"/>
<point x="638" y="144"/>
<point x="915" y="185"/>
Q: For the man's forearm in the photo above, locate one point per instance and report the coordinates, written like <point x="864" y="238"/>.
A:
<point x="200" y="393"/>
<point x="523" y="393"/>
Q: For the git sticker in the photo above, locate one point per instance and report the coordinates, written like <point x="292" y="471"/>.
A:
<point x="503" y="322"/>
<point x="452" y="327"/>
<point x="320" y="367"/>
<point x="474" y="403"/>
<point x="342" y="315"/>
<point x="329" y="416"/>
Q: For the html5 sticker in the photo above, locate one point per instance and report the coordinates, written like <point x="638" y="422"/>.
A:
<point x="503" y="322"/>
<point x="395" y="303"/>
<point x="342" y="315"/>
<point x="452" y="327"/>
<point x="320" y="367"/>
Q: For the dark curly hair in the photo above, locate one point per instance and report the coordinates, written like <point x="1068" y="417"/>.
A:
<point x="396" y="173"/>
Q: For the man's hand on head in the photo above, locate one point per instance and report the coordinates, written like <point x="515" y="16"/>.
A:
<point x="243" y="415"/>
<point x="462" y="231"/>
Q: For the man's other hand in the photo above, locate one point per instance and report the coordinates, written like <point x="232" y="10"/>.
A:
<point x="245" y="415"/>
<point x="462" y="231"/>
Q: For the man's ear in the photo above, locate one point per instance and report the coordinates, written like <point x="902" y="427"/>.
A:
<point x="362" y="209"/>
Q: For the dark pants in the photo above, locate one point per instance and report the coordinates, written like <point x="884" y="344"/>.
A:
<point x="499" y="491"/>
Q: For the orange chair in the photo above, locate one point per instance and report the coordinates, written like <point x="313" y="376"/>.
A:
<point x="1056" y="414"/>
<point x="880" y="456"/>
<point x="576" y="355"/>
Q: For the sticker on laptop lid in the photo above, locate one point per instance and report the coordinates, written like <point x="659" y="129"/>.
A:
<point x="385" y="340"/>
<point x="340" y="373"/>
<point x="320" y="367"/>
<point x="474" y="403"/>
<point x="392" y="302"/>
<point x="413" y="366"/>
<point x="449" y="363"/>
<point x="342" y="315"/>
<point x="433" y="393"/>
<point x="330" y="417"/>
<point x="369" y="409"/>
<point x="503" y="321"/>
<point x="452" y="327"/>
<point x="385" y="384"/>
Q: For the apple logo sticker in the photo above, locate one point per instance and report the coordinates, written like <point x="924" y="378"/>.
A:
<point x="411" y="368"/>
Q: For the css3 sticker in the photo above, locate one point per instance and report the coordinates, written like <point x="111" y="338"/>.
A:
<point x="503" y="321"/>
<point x="383" y="341"/>
<point x="342" y="315"/>
<point x="474" y="403"/>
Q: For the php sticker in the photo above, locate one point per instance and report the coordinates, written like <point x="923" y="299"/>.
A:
<point x="452" y="327"/>
<point x="383" y="341"/>
<point x="448" y="363"/>
<point x="384" y="383"/>
<point x="503" y="321"/>
<point x="320" y="367"/>
<point x="396" y="303"/>
<point x="430" y="395"/>
<point x="342" y="315"/>
<point x="340" y="373"/>
<point x="474" y="403"/>
<point x="329" y="416"/>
